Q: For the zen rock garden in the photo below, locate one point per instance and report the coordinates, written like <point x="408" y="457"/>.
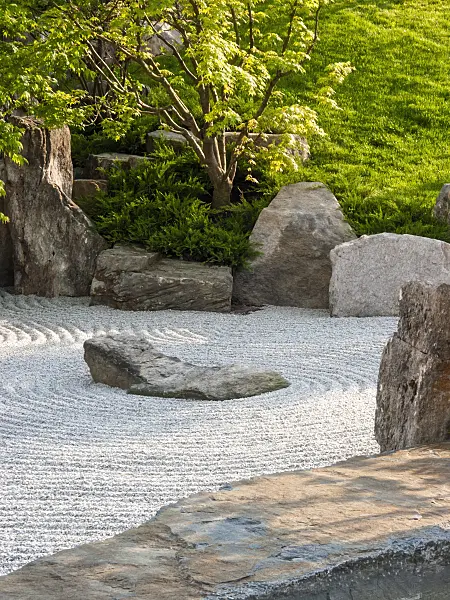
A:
<point x="224" y="301"/>
<point x="296" y="527"/>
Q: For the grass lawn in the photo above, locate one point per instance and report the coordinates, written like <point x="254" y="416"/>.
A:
<point x="387" y="152"/>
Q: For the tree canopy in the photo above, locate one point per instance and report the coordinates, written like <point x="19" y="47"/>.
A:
<point x="221" y="72"/>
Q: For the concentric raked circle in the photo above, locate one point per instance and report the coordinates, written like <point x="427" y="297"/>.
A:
<point x="80" y="461"/>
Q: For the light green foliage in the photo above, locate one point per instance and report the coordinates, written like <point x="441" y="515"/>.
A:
<point x="226" y="76"/>
<point x="386" y="154"/>
<point x="164" y="204"/>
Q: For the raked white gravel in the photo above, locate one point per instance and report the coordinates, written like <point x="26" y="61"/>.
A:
<point x="80" y="461"/>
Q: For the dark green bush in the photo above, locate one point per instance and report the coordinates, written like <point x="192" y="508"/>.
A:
<point x="163" y="203"/>
<point x="94" y="141"/>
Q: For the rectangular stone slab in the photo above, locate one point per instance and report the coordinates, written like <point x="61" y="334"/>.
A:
<point x="131" y="278"/>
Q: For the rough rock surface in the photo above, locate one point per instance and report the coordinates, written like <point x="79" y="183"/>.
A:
<point x="336" y="532"/>
<point x="413" y="399"/>
<point x="176" y="140"/>
<point x="97" y="164"/>
<point x="368" y="273"/>
<point x="86" y="188"/>
<point x="130" y="278"/>
<point x="442" y="207"/>
<point x="6" y="249"/>
<point x="300" y="150"/>
<point x="295" y="234"/>
<point x="55" y="244"/>
<point x="166" y="39"/>
<point x="130" y="362"/>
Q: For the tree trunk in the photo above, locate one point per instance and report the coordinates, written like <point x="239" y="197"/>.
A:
<point x="222" y="193"/>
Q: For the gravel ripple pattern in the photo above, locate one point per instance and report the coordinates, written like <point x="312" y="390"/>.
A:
<point x="80" y="461"/>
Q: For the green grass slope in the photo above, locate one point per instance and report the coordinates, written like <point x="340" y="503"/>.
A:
<point x="387" y="152"/>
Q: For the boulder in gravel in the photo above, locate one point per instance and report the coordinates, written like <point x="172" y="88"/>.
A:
<point x="55" y="245"/>
<point x="129" y="362"/>
<point x="130" y="278"/>
<point x="87" y="188"/>
<point x="98" y="164"/>
<point x="413" y="397"/>
<point x="368" y="273"/>
<point x="442" y="207"/>
<point x="294" y="234"/>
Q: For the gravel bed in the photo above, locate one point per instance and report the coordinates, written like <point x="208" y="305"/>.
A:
<point x="80" y="461"/>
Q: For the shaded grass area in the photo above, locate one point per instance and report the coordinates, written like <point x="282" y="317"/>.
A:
<point x="387" y="151"/>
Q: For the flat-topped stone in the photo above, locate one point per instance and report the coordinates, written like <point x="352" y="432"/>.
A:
<point x="130" y="278"/>
<point x="368" y="273"/>
<point x="301" y="535"/>
<point x="98" y="164"/>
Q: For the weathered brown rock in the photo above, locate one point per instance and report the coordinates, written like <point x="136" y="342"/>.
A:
<point x="6" y="249"/>
<point x="343" y="532"/>
<point x="55" y="244"/>
<point x="130" y="278"/>
<point x="87" y="188"/>
<point x="295" y="235"/>
<point x="413" y="399"/>
<point x="98" y="164"/>
<point x="131" y="363"/>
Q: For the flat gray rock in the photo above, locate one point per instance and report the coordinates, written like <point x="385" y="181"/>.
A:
<point x="368" y="273"/>
<point x="130" y="278"/>
<point x="413" y="398"/>
<point x="365" y="529"/>
<point x="130" y="362"/>
<point x="294" y="234"/>
<point x="97" y="164"/>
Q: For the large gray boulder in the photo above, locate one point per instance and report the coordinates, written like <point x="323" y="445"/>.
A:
<point x="129" y="362"/>
<point x="55" y="245"/>
<point x="294" y="234"/>
<point x="369" y="273"/>
<point x="6" y="249"/>
<point x="130" y="278"/>
<point x="442" y="207"/>
<point x="413" y="397"/>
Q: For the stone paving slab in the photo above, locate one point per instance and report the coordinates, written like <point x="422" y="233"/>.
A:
<point x="267" y="537"/>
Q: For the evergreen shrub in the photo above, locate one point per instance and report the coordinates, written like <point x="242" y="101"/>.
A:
<point x="164" y="204"/>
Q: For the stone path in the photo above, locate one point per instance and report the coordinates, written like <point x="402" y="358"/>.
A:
<point x="80" y="462"/>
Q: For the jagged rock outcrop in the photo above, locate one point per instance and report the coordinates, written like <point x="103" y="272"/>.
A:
<point x="130" y="362"/>
<point x="6" y="249"/>
<point x="442" y="207"/>
<point x="413" y="398"/>
<point x="294" y="234"/>
<point x="55" y="245"/>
